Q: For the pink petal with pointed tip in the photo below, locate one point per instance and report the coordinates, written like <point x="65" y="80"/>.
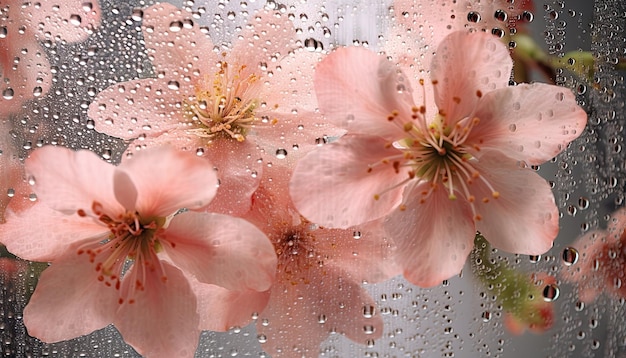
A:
<point x="433" y="237"/>
<point x="69" y="300"/>
<point x="168" y="180"/>
<point x="529" y="122"/>
<point x="333" y="187"/>
<point x="125" y="190"/>
<point x="221" y="250"/>
<point x="524" y="218"/>
<point x="145" y="107"/>
<point x="46" y="245"/>
<point x="358" y="89"/>
<point x="163" y="320"/>
<point x="68" y="180"/>
<point x="465" y="67"/>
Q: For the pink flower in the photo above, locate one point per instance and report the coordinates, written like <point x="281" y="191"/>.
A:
<point x="439" y="168"/>
<point x="24" y="66"/>
<point x="602" y="259"/>
<point x="234" y="106"/>
<point x="121" y="250"/>
<point x="318" y="286"/>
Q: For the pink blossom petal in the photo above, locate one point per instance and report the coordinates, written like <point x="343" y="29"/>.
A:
<point x="163" y="320"/>
<point x="617" y="225"/>
<point x="68" y="180"/>
<point x="178" y="48"/>
<point x="267" y="36"/>
<point x="466" y="67"/>
<point x="125" y="190"/>
<point x="334" y="186"/>
<point x="364" y="252"/>
<point x="358" y="90"/>
<point x="46" y="245"/>
<point x="291" y="86"/>
<point x="169" y="180"/>
<point x="69" y="300"/>
<point x="524" y="218"/>
<point x="145" y="107"/>
<point x="69" y="20"/>
<point x="221" y="250"/>
<point x="532" y="122"/>
<point x="433" y="237"/>
<point x="24" y="69"/>
<point x="239" y="172"/>
<point x="301" y="316"/>
<point x="221" y="309"/>
<point x="589" y="281"/>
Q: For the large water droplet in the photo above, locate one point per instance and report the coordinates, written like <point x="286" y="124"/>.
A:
<point x="500" y="15"/>
<point x="281" y="153"/>
<point x="473" y="16"/>
<point x="8" y="93"/>
<point x="570" y="256"/>
<point x="368" y="311"/>
<point x="551" y="292"/>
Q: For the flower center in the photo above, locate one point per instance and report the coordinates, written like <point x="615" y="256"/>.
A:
<point x="224" y="104"/>
<point x="132" y="240"/>
<point x="296" y="254"/>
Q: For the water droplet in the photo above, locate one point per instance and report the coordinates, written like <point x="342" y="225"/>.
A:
<point x="356" y="235"/>
<point x="571" y="210"/>
<point x="534" y="258"/>
<point x="579" y="306"/>
<point x="512" y="127"/>
<point x="496" y="31"/>
<point x="486" y="316"/>
<point x="570" y="256"/>
<point x="369" y="329"/>
<point x="370" y="343"/>
<point x="528" y="16"/>
<point x="173" y="85"/>
<point x="583" y="203"/>
<point x="551" y="292"/>
<point x="368" y="311"/>
<point x="3" y="32"/>
<point x="321" y="319"/>
<point x="261" y="338"/>
<point x="10" y="192"/>
<point x="176" y="26"/>
<point x="91" y="124"/>
<point x="281" y="153"/>
<point x="137" y="14"/>
<point x="553" y="15"/>
<point x="473" y="16"/>
<point x="106" y="154"/>
<point x="313" y="45"/>
<point x="75" y="20"/>
<point x="8" y="93"/>
<point x="500" y="15"/>
<point x="37" y="91"/>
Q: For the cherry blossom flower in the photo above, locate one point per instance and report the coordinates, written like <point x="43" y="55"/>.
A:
<point x="318" y="286"/>
<point x="23" y="63"/>
<point x="602" y="259"/>
<point x="438" y="169"/>
<point x="121" y="249"/>
<point x="234" y="106"/>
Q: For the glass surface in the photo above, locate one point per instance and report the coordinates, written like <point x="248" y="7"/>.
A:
<point x="59" y="68"/>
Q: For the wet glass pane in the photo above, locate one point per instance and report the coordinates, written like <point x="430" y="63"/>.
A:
<point x="398" y="178"/>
